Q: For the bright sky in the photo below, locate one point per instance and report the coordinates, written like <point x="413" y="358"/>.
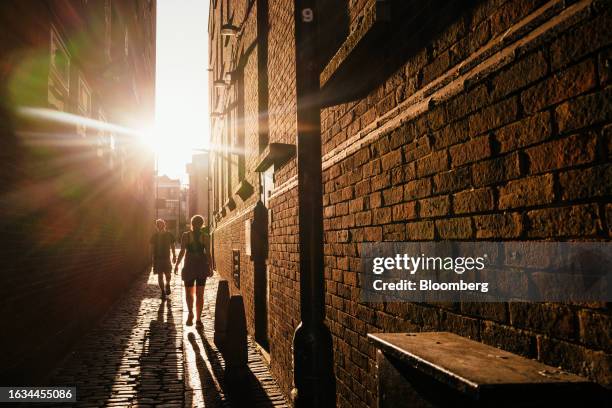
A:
<point x="182" y="119"/>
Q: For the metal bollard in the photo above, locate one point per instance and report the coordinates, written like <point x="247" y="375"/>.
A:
<point x="221" y="314"/>
<point x="236" y="349"/>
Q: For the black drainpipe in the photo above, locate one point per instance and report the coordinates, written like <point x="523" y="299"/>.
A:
<point x="313" y="377"/>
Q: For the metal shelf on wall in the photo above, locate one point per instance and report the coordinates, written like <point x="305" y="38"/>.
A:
<point x="244" y="190"/>
<point x="348" y="72"/>
<point x="275" y="154"/>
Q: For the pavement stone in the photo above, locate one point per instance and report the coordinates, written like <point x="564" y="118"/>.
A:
<point x="204" y="367"/>
<point x="134" y="355"/>
<point x="142" y="355"/>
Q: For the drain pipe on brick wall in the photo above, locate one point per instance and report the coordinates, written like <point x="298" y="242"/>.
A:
<point x="313" y="376"/>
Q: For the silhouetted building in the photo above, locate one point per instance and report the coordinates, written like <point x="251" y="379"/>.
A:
<point x="199" y="186"/>
<point x="172" y="204"/>
<point x="480" y="120"/>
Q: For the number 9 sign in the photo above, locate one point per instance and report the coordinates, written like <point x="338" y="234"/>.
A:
<point x="307" y="15"/>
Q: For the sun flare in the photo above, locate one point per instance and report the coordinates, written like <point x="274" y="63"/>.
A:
<point x="173" y="147"/>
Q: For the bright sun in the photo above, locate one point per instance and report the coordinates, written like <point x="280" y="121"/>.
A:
<point x="174" y="147"/>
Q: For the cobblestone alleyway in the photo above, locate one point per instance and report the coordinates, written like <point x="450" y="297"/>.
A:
<point x="141" y="354"/>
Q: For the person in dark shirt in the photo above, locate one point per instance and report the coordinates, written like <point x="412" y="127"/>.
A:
<point x="162" y="242"/>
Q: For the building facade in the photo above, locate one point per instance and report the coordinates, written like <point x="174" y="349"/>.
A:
<point x="172" y="204"/>
<point x="199" y="186"/>
<point x="77" y="85"/>
<point x="482" y="120"/>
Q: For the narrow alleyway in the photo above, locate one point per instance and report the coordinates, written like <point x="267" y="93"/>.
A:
<point x="141" y="354"/>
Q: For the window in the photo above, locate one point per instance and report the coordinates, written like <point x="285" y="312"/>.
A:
<point x="215" y="175"/>
<point x="83" y="104"/>
<point x="227" y="174"/>
<point x="220" y="181"/>
<point x="59" y="72"/>
<point x="107" y="29"/>
<point x="84" y="97"/>
<point x="127" y="43"/>
<point x="60" y="59"/>
<point x="104" y="140"/>
<point x="267" y="185"/>
<point x="239" y="125"/>
<point x="237" y="174"/>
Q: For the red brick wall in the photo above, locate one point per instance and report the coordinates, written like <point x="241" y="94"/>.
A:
<point x="71" y="244"/>
<point x="229" y="232"/>
<point x="283" y="252"/>
<point x="496" y="129"/>
<point x="512" y="145"/>
<point x="74" y="230"/>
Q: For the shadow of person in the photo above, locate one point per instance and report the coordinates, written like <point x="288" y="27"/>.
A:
<point x="160" y="379"/>
<point x="105" y="363"/>
<point x="248" y="393"/>
<point x="209" y="390"/>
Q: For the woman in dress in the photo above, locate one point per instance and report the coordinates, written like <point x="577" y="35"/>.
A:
<point x="197" y="267"/>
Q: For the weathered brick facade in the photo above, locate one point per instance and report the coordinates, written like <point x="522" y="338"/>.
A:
<point x="229" y="232"/>
<point x="495" y="127"/>
<point x="76" y="199"/>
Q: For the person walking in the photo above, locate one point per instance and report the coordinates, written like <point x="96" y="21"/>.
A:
<point x="194" y="247"/>
<point x="162" y="243"/>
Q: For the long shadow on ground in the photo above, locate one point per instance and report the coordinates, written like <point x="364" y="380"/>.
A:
<point x="250" y="393"/>
<point x="211" y="396"/>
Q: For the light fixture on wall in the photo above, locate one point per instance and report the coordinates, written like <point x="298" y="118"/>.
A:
<point x="220" y="84"/>
<point x="229" y="30"/>
<point x="230" y="77"/>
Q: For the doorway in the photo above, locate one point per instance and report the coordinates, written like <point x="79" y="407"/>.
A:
<point x="259" y="242"/>
<point x="259" y="239"/>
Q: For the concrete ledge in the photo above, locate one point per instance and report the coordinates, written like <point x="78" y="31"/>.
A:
<point x="244" y="190"/>
<point x="355" y="54"/>
<point x="275" y="154"/>
<point x="434" y="365"/>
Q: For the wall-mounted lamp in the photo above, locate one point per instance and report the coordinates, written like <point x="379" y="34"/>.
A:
<point x="220" y="84"/>
<point x="230" y="77"/>
<point x="229" y="30"/>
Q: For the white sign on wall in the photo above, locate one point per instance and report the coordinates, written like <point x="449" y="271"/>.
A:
<point x="247" y="237"/>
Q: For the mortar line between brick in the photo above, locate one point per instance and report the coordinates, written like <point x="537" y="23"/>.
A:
<point x="234" y="217"/>
<point x="420" y="101"/>
<point x="419" y="104"/>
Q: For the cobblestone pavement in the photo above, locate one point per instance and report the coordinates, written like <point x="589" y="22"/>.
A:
<point x="134" y="356"/>
<point x="141" y="355"/>
<point x="204" y="367"/>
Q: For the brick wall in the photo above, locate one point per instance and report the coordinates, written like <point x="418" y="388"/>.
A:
<point x="497" y="130"/>
<point x="74" y="228"/>
<point x="229" y="231"/>
<point x="71" y="244"/>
